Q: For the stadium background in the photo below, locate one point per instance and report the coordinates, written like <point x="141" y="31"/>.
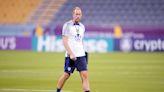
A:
<point x="125" y="39"/>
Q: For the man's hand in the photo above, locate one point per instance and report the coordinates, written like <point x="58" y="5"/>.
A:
<point x="70" y="54"/>
<point x="73" y="57"/>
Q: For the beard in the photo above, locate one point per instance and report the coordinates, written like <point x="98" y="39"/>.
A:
<point x="76" y="22"/>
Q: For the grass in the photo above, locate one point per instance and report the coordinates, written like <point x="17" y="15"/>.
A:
<point x="25" y="71"/>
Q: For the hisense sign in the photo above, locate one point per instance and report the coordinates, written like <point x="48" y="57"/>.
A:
<point x="55" y="44"/>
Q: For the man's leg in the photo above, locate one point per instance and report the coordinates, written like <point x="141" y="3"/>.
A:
<point x="62" y="81"/>
<point x="85" y="81"/>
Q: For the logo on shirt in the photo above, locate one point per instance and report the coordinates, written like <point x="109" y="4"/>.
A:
<point x="78" y="37"/>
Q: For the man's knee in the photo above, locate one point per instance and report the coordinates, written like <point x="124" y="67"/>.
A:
<point x="66" y="75"/>
<point x="84" y="74"/>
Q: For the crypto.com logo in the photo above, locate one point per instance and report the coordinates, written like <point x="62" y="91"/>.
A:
<point x="126" y="44"/>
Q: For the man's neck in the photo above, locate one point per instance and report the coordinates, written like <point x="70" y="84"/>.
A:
<point x="75" y="22"/>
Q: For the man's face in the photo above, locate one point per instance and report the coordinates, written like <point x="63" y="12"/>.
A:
<point x="77" y="14"/>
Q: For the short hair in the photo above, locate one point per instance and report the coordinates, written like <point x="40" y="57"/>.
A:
<point x="76" y="8"/>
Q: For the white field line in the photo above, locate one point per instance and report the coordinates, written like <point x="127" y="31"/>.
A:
<point x="29" y="90"/>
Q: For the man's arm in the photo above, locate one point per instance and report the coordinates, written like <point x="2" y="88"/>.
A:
<point x="69" y="51"/>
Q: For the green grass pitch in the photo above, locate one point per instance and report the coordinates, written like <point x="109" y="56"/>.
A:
<point x="25" y="71"/>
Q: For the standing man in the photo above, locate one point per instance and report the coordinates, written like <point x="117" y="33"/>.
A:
<point x="75" y="57"/>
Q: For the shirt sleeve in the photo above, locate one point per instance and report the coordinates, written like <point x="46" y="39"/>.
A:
<point x="65" y="30"/>
<point x="83" y="27"/>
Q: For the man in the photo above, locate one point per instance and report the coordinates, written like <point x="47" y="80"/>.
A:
<point x="75" y="57"/>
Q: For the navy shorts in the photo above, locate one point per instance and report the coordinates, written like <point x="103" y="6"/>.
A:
<point x="80" y="64"/>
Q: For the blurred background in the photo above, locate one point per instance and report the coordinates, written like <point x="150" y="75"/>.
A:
<point x="111" y="25"/>
<point x="125" y="39"/>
